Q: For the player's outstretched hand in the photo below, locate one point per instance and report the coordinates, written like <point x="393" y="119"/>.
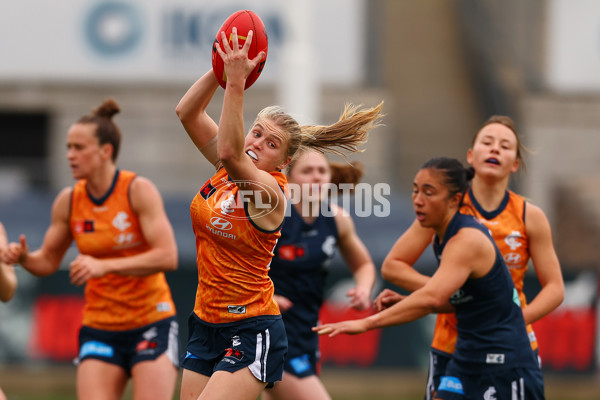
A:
<point x="351" y="327"/>
<point x="235" y="58"/>
<point x="359" y="298"/>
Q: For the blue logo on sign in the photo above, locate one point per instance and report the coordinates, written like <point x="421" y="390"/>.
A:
<point x="113" y="28"/>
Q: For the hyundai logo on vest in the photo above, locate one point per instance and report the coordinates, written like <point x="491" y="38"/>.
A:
<point x="221" y="223"/>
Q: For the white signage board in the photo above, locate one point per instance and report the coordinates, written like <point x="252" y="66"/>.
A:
<point x="162" y="40"/>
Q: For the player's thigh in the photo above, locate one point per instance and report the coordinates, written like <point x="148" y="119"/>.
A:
<point x="238" y="385"/>
<point x="192" y="384"/>
<point x="292" y="387"/>
<point x="100" y="380"/>
<point x="154" y="379"/>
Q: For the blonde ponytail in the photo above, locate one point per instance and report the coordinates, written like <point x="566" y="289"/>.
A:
<point x="345" y="135"/>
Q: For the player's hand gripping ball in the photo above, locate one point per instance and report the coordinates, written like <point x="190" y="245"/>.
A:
<point x="244" y="21"/>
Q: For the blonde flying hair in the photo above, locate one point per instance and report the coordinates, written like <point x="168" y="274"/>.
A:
<point x="341" y="137"/>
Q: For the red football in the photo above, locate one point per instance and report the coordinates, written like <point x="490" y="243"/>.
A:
<point x="244" y="21"/>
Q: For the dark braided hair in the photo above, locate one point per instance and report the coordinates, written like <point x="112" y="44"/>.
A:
<point x="457" y="177"/>
<point x="106" y="130"/>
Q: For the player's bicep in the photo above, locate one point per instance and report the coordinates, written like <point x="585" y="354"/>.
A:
<point x="148" y="205"/>
<point x="58" y="236"/>
<point x="541" y="247"/>
<point x="458" y="258"/>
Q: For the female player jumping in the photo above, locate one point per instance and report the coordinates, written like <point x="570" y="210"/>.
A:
<point x="237" y="341"/>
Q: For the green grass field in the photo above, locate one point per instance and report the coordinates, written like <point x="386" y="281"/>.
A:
<point x="58" y="383"/>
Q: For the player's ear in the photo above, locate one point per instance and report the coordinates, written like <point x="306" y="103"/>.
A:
<point x="284" y="164"/>
<point x="470" y="156"/>
<point x="456" y="199"/>
<point x="107" y="150"/>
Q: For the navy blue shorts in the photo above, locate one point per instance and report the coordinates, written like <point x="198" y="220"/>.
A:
<point x="258" y="343"/>
<point x="438" y="361"/>
<point x="127" y="348"/>
<point x="514" y="383"/>
<point x="303" y="345"/>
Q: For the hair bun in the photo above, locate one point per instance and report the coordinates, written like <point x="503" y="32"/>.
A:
<point x="346" y="173"/>
<point x="470" y="172"/>
<point x="107" y="109"/>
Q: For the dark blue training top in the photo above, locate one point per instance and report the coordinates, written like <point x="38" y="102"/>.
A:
<point x="299" y="271"/>
<point x="490" y="324"/>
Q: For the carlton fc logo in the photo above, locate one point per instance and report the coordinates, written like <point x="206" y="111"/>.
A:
<point x="120" y="221"/>
<point x="512" y="240"/>
<point x="221" y="223"/>
<point x="228" y="205"/>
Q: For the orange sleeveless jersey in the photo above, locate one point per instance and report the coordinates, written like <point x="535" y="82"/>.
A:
<point x="108" y="230"/>
<point x="233" y="254"/>
<point x="507" y="226"/>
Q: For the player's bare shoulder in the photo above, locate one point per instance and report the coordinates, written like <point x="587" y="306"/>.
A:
<point x="62" y="203"/>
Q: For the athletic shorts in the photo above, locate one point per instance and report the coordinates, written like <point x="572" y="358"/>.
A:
<point x="303" y="344"/>
<point x="127" y="348"/>
<point x="514" y="384"/>
<point x="258" y="343"/>
<point x="303" y="348"/>
<point x="438" y="361"/>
